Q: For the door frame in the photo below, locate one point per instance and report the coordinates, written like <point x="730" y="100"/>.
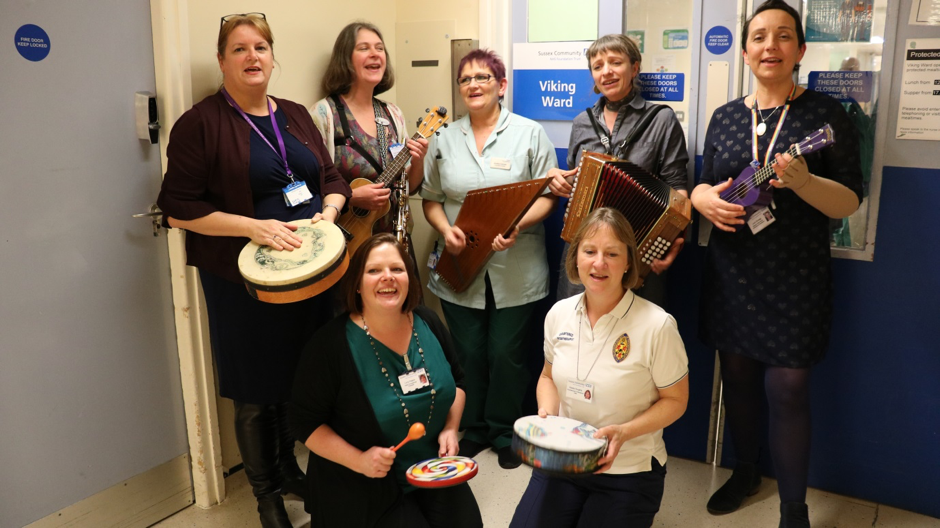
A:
<point x="171" y="57"/>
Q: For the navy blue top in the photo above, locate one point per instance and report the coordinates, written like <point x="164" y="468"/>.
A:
<point x="268" y="177"/>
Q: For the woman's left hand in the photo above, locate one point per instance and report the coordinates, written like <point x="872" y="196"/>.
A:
<point x="418" y="148"/>
<point x="502" y="244"/>
<point x="616" y="436"/>
<point x="448" y="443"/>
<point x="660" y="265"/>
<point x="791" y="172"/>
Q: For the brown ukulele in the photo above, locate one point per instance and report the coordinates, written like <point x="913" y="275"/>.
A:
<point x="357" y="224"/>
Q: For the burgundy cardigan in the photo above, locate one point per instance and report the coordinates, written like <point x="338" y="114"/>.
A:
<point x="207" y="171"/>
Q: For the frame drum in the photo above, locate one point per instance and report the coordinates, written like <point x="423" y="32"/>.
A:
<point x="442" y="472"/>
<point x="289" y="276"/>
<point x="557" y="445"/>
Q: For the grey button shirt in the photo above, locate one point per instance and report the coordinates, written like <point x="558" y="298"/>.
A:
<point x="661" y="150"/>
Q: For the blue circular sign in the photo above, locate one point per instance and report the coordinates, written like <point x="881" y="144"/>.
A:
<point x="718" y="40"/>
<point x="32" y="42"/>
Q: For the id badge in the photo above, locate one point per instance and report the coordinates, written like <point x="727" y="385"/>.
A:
<point x="395" y="149"/>
<point x="434" y="257"/>
<point x="413" y="380"/>
<point x="760" y="219"/>
<point x="501" y="163"/>
<point x="296" y="193"/>
<point x="580" y="391"/>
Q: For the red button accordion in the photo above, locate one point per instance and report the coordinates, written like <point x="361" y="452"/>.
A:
<point x="657" y="213"/>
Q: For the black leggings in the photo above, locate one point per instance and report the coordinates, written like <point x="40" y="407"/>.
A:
<point x="454" y="507"/>
<point x="746" y="381"/>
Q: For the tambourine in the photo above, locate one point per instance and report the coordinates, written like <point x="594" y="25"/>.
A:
<point x="557" y="444"/>
<point x="442" y="472"/>
<point x="281" y="277"/>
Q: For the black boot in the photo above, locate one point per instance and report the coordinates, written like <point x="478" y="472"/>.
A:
<point x="257" y="435"/>
<point x="744" y="482"/>
<point x="294" y="480"/>
<point x="794" y="515"/>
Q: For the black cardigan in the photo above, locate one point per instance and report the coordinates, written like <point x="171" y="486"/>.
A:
<point x="328" y="390"/>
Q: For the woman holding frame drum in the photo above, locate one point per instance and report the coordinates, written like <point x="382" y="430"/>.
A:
<point x="767" y="292"/>
<point x="244" y="165"/>
<point x="611" y="127"/>
<point x="615" y="361"/>
<point x="365" y="379"/>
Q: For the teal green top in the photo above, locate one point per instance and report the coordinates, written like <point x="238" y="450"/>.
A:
<point x="385" y="403"/>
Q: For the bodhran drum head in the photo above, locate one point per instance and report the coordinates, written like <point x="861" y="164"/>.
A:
<point x="557" y="444"/>
<point x="289" y="276"/>
<point x="442" y="472"/>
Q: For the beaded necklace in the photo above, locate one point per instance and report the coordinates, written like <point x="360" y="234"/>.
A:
<point x="391" y="384"/>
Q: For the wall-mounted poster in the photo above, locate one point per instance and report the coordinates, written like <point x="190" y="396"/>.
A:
<point x="638" y="36"/>
<point x="838" y="20"/>
<point x="675" y="39"/>
<point x="919" y="105"/>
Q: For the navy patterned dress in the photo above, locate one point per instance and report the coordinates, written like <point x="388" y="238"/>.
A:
<point x="769" y="296"/>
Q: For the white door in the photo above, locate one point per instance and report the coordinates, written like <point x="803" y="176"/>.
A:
<point x="89" y="375"/>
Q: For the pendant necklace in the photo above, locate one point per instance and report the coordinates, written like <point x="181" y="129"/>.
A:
<point x="391" y="384"/>
<point x="762" y="126"/>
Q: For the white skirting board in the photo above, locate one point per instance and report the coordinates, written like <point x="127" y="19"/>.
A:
<point x="138" y="501"/>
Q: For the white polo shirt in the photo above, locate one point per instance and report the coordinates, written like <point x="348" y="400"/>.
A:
<point x="629" y="355"/>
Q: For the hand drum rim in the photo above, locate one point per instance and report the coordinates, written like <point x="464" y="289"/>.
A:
<point x="557" y="444"/>
<point x="289" y="276"/>
<point x="443" y="481"/>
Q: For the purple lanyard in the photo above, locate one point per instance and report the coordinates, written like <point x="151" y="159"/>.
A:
<point x="280" y="140"/>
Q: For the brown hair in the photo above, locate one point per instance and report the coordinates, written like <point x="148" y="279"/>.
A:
<point x="349" y="288"/>
<point x="256" y="20"/>
<point x="339" y="74"/>
<point x="620" y="227"/>
<point x="618" y="44"/>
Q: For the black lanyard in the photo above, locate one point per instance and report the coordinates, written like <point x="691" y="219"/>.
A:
<point x="638" y="130"/>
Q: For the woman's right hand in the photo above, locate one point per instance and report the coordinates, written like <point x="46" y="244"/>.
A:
<point x="723" y="215"/>
<point x="543" y="412"/>
<point x="454" y="240"/>
<point x="376" y="462"/>
<point x="559" y="184"/>
<point x="372" y="196"/>
<point x="274" y="233"/>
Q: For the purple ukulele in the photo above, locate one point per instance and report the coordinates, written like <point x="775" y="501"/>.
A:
<point x="752" y="187"/>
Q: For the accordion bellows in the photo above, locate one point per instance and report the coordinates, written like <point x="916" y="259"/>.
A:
<point x="657" y="213"/>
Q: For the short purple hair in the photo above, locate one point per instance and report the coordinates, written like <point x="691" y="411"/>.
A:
<point x="485" y="57"/>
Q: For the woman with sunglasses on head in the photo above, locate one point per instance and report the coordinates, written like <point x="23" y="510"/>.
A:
<point x="491" y="319"/>
<point x="362" y="132"/>
<point x="244" y="165"/>
<point x="611" y="127"/>
<point x="767" y="292"/>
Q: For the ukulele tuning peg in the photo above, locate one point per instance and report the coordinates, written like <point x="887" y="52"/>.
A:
<point x="441" y="110"/>
<point x="427" y="110"/>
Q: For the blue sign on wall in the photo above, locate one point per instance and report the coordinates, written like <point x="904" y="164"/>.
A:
<point x="843" y="85"/>
<point x="662" y="86"/>
<point x="32" y="42"/>
<point x="552" y="95"/>
<point x="718" y="40"/>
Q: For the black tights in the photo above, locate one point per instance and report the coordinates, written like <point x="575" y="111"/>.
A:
<point x="787" y="390"/>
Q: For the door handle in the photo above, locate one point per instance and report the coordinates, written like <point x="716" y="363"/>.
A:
<point x="155" y="215"/>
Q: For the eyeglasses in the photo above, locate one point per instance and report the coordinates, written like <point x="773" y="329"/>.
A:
<point x="479" y="78"/>
<point x="226" y="18"/>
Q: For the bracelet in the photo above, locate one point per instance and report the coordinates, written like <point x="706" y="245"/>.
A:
<point x="338" y="211"/>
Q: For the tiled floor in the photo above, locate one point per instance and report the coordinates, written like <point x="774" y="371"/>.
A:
<point x="688" y="486"/>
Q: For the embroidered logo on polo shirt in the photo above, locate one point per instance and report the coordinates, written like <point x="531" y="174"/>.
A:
<point x="621" y="348"/>
<point x="565" y="336"/>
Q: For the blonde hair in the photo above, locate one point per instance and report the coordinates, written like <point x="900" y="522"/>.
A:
<point x="255" y="20"/>
<point x="620" y="227"/>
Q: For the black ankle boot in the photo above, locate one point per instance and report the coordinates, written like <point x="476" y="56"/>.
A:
<point x="293" y="479"/>
<point x="257" y="435"/>
<point x="272" y="511"/>
<point x="794" y="515"/>
<point x="744" y="482"/>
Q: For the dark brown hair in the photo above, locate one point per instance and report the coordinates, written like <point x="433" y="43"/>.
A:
<point x="349" y="288"/>
<point x="339" y="74"/>
<point x="621" y="44"/>
<point x="620" y="227"/>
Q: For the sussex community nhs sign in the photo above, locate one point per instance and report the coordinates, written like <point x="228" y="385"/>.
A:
<point x="551" y="80"/>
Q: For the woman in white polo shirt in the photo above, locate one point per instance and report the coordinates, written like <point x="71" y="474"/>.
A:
<point x="627" y="354"/>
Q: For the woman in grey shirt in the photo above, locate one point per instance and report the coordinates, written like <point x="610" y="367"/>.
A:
<point x="610" y="127"/>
